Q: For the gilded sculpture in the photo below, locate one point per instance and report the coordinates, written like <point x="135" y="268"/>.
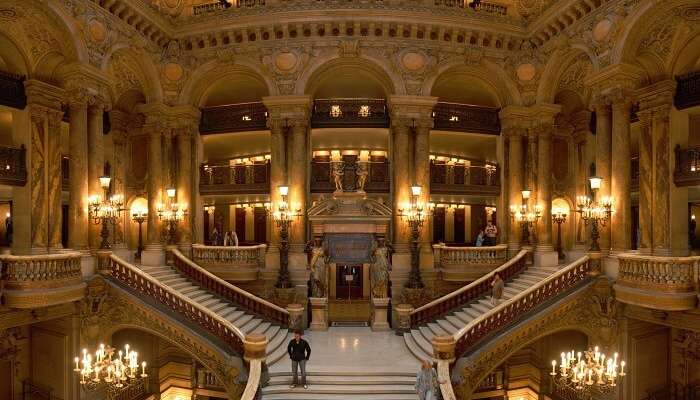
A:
<point x="319" y="267"/>
<point x="379" y="271"/>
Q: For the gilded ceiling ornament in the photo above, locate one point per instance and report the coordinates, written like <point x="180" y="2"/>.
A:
<point x="691" y="14"/>
<point x="8" y="14"/>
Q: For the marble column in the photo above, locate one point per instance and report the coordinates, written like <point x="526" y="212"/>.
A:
<point x="78" y="167"/>
<point x="297" y="167"/>
<point x="96" y="160"/>
<point x="421" y="168"/>
<point x="154" y="246"/>
<point x="603" y="160"/>
<point x="582" y="141"/>
<point x="184" y="183"/>
<point x="119" y="122"/>
<point x="646" y="181"/>
<point x="544" y="187"/>
<point x="515" y="178"/>
<point x="54" y="180"/>
<point x="278" y="162"/>
<point x="620" y="188"/>
<point x="661" y="221"/>
<point x="400" y="129"/>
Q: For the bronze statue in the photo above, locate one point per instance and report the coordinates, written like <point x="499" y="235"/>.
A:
<point x="318" y="266"/>
<point x="379" y="272"/>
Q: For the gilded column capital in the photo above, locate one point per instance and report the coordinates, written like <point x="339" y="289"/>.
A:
<point x="419" y="108"/>
<point x="119" y="120"/>
<point x="288" y="107"/>
<point x="644" y="117"/>
<point x="659" y="94"/>
<point x="43" y="94"/>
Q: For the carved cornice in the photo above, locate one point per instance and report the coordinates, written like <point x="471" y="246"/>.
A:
<point x="292" y="107"/>
<point x="418" y="108"/>
<point x="659" y="94"/>
<point x="43" y="94"/>
<point x="613" y="81"/>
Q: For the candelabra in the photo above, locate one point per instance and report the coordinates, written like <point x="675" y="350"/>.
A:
<point x="594" y="213"/>
<point x="105" y="210"/>
<point x="139" y="216"/>
<point x="414" y="214"/>
<point x="116" y="373"/>
<point x="172" y="215"/>
<point x="525" y="217"/>
<point x="588" y="373"/>
<point x="559" y="217"/>
<point x="283" y="217"/>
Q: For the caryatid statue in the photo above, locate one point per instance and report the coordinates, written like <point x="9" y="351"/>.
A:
<point x="338" y="169"/>
<point x="362" y="170"/>
<point x="318" y="266"/>
<point x="379" y="271"/>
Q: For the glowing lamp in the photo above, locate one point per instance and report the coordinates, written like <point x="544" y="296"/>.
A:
<point x="595" y="182"/>
<point x="104" y="181"/>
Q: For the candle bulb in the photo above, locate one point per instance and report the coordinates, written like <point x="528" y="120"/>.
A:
<point x="622" y="368"/>
<point x="143" y="369"/>
<point x="554" y="368"/>
<point x="77" y="364"/>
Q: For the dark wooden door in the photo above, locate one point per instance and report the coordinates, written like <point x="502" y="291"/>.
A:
<point x="64" y="225"/>
<point x="439" y="225"/>
<point x="348" y="282"/>
<point x="240" y="224"/>
<point x="260" y="224"/>
<point x="459" y="225"/>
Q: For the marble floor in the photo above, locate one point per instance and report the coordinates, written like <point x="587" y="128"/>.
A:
<point x="354" y="349"/>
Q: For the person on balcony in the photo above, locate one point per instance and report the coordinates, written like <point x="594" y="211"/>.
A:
<point x="491" y="233"/>
<point x="480" y="239"/>
<point x="227" y="238"/>
<point x="299" y="351"/>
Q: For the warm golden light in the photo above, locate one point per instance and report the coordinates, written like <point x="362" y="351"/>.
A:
<point x="284" y="190"/>
<point x="170" y="192"/>
<point x="104" y="182"/>
<point x="526" y="194"/>
<point x="416" y="190"/>
<point x="595" y="182"/>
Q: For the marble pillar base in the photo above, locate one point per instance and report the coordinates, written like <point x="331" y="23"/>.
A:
<point x="319" y="313"/>
<point x="124" y="253"/>
<point x="153" y="257"/>
<point x="380" y="314"/>
<point x="87" y="264"/>
<point x="546" y="258"/>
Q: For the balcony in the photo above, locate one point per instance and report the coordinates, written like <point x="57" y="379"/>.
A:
<point x="349" y="113"/>
<point x="377" y="180"/>
<point x="41" y="280"/>
<point x="466" y="264"/>
<point x="688" y="90"/>
<point x="234" y="118"/>
<point x="251" y="178"/>
<point x="13" y="166"/>
<point x="238" y="264"/>
<point x="459" y="177"/>
<point x="662" y="283"/>
<point x="466" y="118"/>
<point x="12" y="90"/>
<point x="687" y="170"/>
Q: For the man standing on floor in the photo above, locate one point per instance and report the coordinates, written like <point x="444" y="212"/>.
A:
<point x="299" y="351"/>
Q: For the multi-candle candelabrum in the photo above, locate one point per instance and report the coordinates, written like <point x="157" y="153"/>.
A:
<point x="415" y="213"/>
<point x="172" y="214"/>
<point x="588" y="373"/>
<point x="593" y="212"/>
<point x="525" y="216"/>
<point x="283" y="216"/>
<point x="105" y="210"/>
<point x="115" y="370"/>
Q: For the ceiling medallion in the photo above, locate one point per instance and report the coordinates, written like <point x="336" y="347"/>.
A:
<point x="173" y="71"/>
<point x="413" y="61"/>
<point x="286" y="61"/>
<point x="526" y="72"/>
<point x="96" y="30"/>
<point x="601" y="30"/>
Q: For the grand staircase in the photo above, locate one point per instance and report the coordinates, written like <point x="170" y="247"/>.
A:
<point x="246" y="322"/>
<point x="419" y="338"/>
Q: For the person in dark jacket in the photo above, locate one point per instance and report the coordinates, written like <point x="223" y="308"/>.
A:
<point x="299" y="351"/>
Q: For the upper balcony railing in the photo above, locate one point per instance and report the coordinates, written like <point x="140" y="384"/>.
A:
<point x="231" y="263"/>
<point x="688" y="90"/>
<point x="466" y="118"/>
<point x="253" y="178"/>
<point x="687" y="170"/>
<point x="41" y="280"/>
<point x="13" y="165"/>
<point x="234" y="118"/>
<point x="486" y="7"/>
<point x="349" y="113"/>
<point x="467" y="263"/>
<point x="454" y="178"/>
<point x="664" y="283"/>
<point x="12" y="90"/>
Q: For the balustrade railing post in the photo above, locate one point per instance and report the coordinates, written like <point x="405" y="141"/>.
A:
<point x="403" y="316"/>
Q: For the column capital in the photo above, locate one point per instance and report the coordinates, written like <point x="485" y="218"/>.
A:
<point x="656" y="95"/>
<point x="419" y="108"/>
<point x="288" y="107"/>
<point x="614" y="77"/>
<point x="582" y="121"/>
<point x="119" y="120"/>
<point x="44" y="94"/>
<point x="89" y="80"/>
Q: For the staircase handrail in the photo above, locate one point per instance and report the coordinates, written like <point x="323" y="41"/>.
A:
<point x="254" y="376"/>
<point x="146" y="285"/>
<point x="507" y="311"/>
<point x="198" y="248"/>
<point x="229" y="292"/>
<point x="470" y="292"/>
<point x="443" y="373"/>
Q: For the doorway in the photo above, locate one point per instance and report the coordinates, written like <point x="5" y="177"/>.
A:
<point x="348" y="282"/>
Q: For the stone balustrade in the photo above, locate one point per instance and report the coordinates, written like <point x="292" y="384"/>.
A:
<point x="508" y="312"/>
<point x="231" y="263"/>
<point x="663" y="283"/>
<point x="41" y="280"/>
<point x="467" y="263"/>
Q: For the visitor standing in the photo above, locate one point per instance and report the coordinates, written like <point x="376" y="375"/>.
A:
<point x="299" y="351"/>
<point x="427" y="384"/>
<point x="497" y="291"/>
<point x="491" y="232"/>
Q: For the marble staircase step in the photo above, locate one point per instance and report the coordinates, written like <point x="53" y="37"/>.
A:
<point x="277" y="347"/>
<point x="427" y="334"/>
<point x="447" y="326"/>
<point x="250" y="325"/>
<point x="464" y="317"/>
<point x="210" y="302"/>
<point x="482" y="308"/>
<point x="414" y="347"/>
<point x="218" y="307"/>
<point x="235" y="316"/>
<point x="421" y="341"/>
<point x="437" y="329"/>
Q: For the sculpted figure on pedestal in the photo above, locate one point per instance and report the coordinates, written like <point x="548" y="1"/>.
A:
<point x="318" y="266"/>
<point x="379" y="272"/>
<point x="362" y="171"/>
<point x="338" y="169"/>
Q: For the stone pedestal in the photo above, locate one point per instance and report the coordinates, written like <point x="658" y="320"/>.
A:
<point x="103" y="261"/>
<point x="153" y="257"/>
<point x="319" y="313"/>
<point x="254" y="346"/>
<point x="596" y="260"/>
<point x="296" y="316"/>
<point x="87" y="264"/>
<point x="403" y="316"/>
<point x="124" y="253"/>
<point x="380" y="314"/>
<point x="444" y="347"/>
<point x="546" y="258"/>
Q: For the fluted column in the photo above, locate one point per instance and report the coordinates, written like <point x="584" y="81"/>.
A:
<point x="54" y="180"/>
<point x="544" y="186"/>
<point x="297" y="166"/>
<point x="620" y="187"/>
<point x="421" y="166"/>
<point x="119" y="122"/>
<point x="278" y="162"/>
<point x="603" y="160"/>
<point x="78" y="169"/>
<point x="661" y="235"/>
<point x="401" y="178"/>
<point x="646" y="181"/>
<point x="515" y="168"/>
<point x="582" y="141"/>
<point x="96" y="160"/>
<point x="184" y="182"/>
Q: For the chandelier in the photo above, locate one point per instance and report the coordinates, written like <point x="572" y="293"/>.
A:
<point x="104" y="368"/>
<point x="588" y="372"/>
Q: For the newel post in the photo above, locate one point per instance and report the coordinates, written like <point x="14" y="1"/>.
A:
<point x="403" y="316"/>
<point x="104" y="265"/>
<point x="296" y="316"/>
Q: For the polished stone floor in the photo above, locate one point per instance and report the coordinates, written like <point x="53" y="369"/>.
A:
<point x="354" y="349"/>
